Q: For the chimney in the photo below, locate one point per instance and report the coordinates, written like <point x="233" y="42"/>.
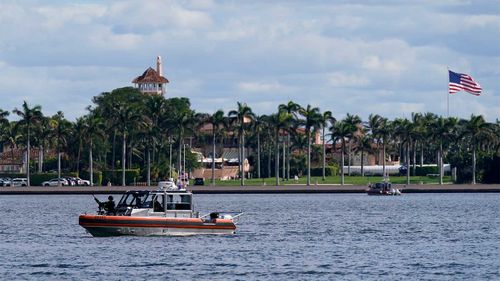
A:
<point x="158" y="66"/>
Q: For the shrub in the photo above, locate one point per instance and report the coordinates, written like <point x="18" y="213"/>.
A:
<point x="424" y="170"/>
<point x="115" y="176"/>
<point x="97" y="176"/>
<point x="329" y="171"/>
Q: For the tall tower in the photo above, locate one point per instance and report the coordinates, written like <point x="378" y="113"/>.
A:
<point x="152" y="81"/>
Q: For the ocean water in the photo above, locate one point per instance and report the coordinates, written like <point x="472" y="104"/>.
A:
<point x="280" y="237"/>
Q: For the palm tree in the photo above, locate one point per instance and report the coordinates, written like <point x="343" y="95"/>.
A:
<point x="312" y="120"/>
<point x="259" y="126"/>
<point x="380" y="129"/>
<point x="363" y="144"/>
<point x="442" y="132"/>
<point x="290" y="108"/>
<point x="216" y="120"/>
<point x="242" y="115"/>
<point x="29" y="116"/>
<point x="403" y="129"/>
<point x="129" y="117"/>
<point x="354" y="121"/>
<point x="180" y="122"/>
<point x="3" y="118"/>
<point x="60" y="130"/>
<point x="93" y="127"/>
<point x="326" y="120"/>
<point x="341" y="131"/>
<point x="279" y="122"/>
<point x="476" y="130"/>
<point x="418" y="135"/>
<point x="10" y="136"/>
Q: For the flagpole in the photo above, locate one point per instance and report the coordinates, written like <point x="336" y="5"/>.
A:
<point x="448" y="95"/>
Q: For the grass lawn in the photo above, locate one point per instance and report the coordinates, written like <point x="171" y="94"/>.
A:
<point x="354" y="180"/>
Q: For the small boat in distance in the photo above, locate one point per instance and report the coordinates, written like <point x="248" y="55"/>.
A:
<point x="167" y="211"/>
<point x="382" y="188"/>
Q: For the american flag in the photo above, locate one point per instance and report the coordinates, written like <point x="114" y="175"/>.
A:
<point x="460" y="81"/>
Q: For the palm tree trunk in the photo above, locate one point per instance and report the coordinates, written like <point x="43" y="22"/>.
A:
<point x="114" y="151"/>
<point x="440" y="163"/>
<point x="362" y="162"/>
<point x="242" y="159"/>
<point x="269" y="155"/>
<point x="131" y="149"/>
<point x="239" y="156"/>
<point x="349" y="160"/>
<point x="124" y="156"/>
<point x="213" y="157"/>
<point x="422" y="154"/>
<point x="149" y="168"/>
<point x="40" y="158"/>
<point x="78" y="157"/>
<point x="277" y="160"/>
<point x="414" y="158"/>
<point x="473" y="164"/>
<point x="383" y="159"/>
<point x="28" y="158"/>
<point x="179" y="158"/>
<point x="308" y="158"/>
<point x="258" y="155"/>
<point x="407" y="163"/>
<point x="324" y="153"/>
<point x="342" y="164"/>
<point x="58" y="166"/>
<point x="289" y="151"/>
<point x="91" y="165"/>
<point x="283" y="170"/>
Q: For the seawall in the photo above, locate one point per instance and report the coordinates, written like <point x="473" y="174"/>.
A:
<point x="448" y="188"/>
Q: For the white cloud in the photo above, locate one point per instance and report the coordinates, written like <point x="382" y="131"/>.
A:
<point x="260" y="86"/>
<point x="382" y="57"/>
<point x="340" y="80"/>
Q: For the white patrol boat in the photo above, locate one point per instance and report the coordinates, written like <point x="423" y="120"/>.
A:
<point x="164" y="212"/>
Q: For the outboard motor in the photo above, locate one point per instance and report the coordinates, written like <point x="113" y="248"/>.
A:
<point x="214" y="216"/>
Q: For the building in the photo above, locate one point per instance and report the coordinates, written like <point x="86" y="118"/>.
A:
<point x="152" y="81"/>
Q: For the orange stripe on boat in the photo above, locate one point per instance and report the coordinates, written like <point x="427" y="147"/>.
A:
<point x="159" y="225"/>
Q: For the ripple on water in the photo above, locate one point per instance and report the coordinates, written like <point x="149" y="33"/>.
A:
<point x="336" y="237"/>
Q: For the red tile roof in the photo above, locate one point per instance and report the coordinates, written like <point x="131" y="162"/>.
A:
<point x="150" y="76"/>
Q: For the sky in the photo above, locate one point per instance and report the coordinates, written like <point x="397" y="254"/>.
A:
<point x="384" y="57"/>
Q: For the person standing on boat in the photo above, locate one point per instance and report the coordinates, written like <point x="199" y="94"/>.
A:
<point x="108" y="206"/>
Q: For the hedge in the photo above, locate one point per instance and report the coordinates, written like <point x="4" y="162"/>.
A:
<point x="329" y="171"/>
<point x="97" y="176"/>
<point x="424" y="170"/>
<point x="115" y="176"/>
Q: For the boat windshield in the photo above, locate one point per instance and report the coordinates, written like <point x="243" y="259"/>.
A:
<point x="132" y="199"/>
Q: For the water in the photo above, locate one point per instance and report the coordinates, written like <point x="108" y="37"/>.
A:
<point x="281" y="237"/>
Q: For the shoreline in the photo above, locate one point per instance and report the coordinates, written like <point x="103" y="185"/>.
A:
<point x="286" y="189"/>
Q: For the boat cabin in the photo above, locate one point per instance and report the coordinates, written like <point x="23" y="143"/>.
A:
<point x="382" y="186"/>
<point x="169" y="203"/>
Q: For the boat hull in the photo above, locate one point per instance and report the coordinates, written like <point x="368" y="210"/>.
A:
<point x="102" y="226"/>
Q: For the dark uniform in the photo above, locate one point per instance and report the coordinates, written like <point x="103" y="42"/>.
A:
<point x="108" y="206"/>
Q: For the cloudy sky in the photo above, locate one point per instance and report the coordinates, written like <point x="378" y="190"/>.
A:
<point x="387" y="57"/>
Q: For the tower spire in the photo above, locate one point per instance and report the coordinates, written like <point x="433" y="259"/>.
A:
<point x="158" y="66"/>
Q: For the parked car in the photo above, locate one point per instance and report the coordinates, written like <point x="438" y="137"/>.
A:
<point x="55" y="182"/>
<point x="5" y="181"/>
<point x="19" y="182"/>
<point x="199" y="181"/>
<point x="70" y="181"/>
<point x="79" y="181"/>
